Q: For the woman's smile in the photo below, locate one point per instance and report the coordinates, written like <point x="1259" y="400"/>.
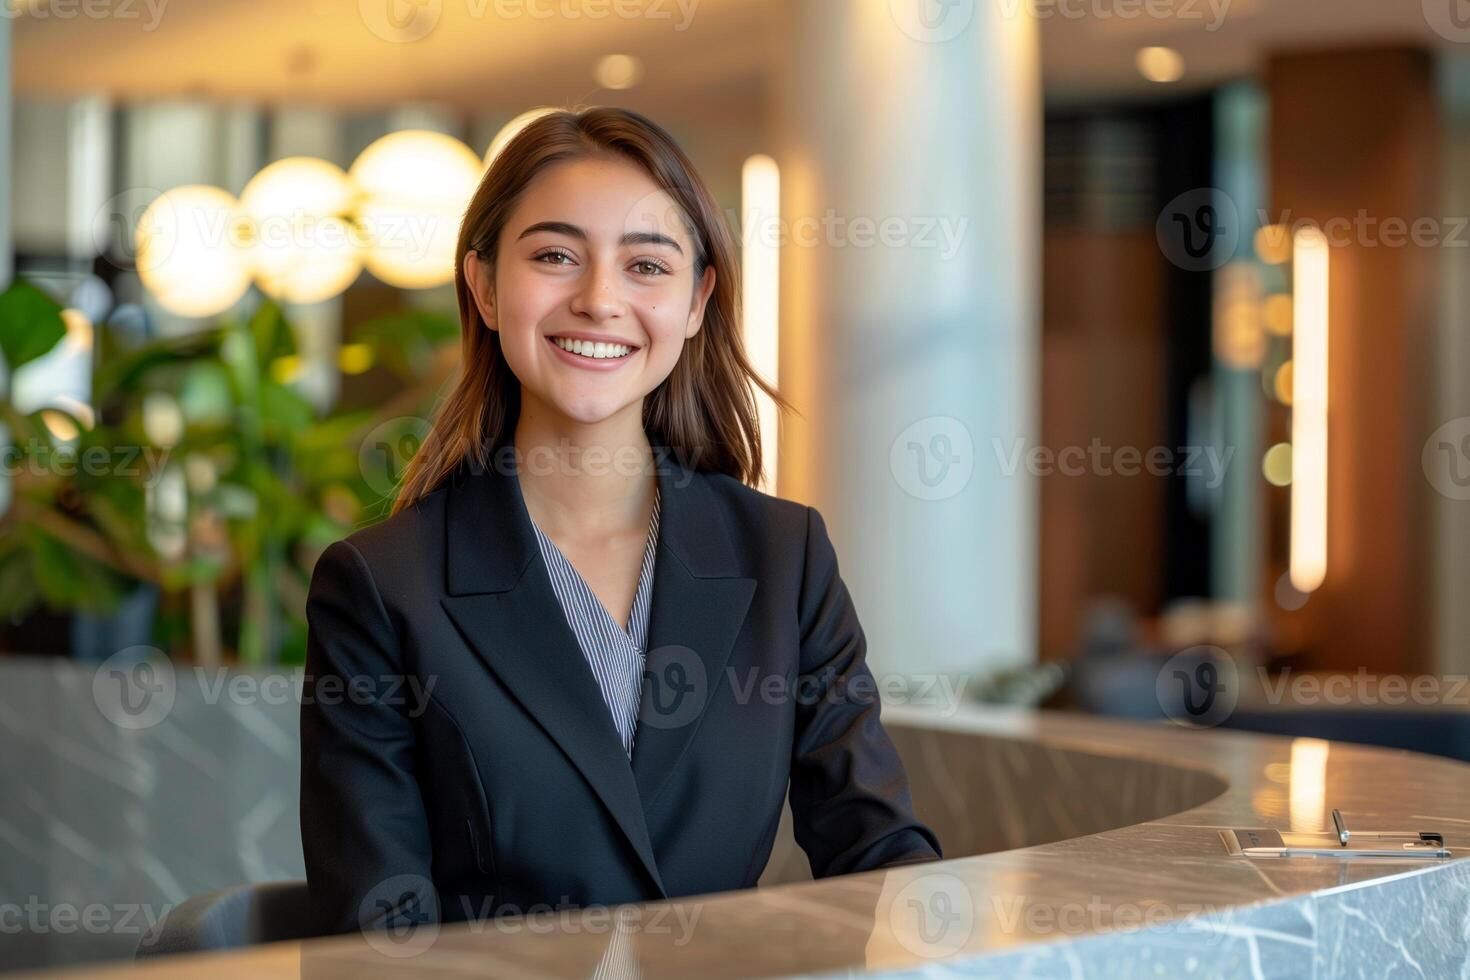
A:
<point x="592" y="357"/>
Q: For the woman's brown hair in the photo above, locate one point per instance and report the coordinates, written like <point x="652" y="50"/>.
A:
<point x="704" y="412"/>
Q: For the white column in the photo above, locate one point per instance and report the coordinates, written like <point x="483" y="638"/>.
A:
<point x="314" y="131"/>
<point x="910" y="158"/>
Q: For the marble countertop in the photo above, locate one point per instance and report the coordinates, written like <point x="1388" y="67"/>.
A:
<point x="1159" y="897"/>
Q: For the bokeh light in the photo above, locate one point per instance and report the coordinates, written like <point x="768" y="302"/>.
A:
<point x="1272" y="244"/>
<point x="301" y="243"/>
<point x="188" y="251"/>
<point x="1276" y="465"/>
<point x="415" y="186"/>
<point x="618" y="71"/>
<point x="1276" y="314"/>
<point x="1161" y="65"/>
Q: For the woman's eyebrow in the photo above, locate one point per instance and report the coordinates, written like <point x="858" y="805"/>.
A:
<point x="629" y="238"/>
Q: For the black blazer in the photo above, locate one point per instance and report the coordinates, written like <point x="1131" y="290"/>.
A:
<point x="458" y="760"/>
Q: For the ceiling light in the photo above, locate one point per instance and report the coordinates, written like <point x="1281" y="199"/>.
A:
<point x="1160" y="64"/>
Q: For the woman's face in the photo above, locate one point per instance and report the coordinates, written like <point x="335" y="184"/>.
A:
<point x="593" y="251"/>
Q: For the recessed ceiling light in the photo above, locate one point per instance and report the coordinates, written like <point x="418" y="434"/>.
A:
<point x="1160" y="64"/>
<point x="618" y="71"/>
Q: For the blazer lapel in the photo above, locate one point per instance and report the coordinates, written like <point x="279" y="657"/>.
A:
<point x="698" y="605"/>
<point x="500" y="596"/>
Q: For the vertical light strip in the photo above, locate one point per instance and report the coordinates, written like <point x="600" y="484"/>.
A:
<point x="760" y="189"/>
<point x="1309" y="410"/>
<point x="89" y="162"/>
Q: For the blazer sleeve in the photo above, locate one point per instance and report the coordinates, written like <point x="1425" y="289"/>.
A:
<point x="849" y="792"/>
<point x="364" y="832"/>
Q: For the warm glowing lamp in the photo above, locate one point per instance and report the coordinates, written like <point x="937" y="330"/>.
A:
<point x="187" y="249"/>
<point x="1163" y="65"/>
<point x="618" y="71"/>
<point x="760" y="191"/>
<point x="415" y="185"/>
<point x="1309" y="410"/>
<point x="300" y="240"/>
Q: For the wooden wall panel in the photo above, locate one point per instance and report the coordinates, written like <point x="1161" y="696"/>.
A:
<point x="1355" y="133"/>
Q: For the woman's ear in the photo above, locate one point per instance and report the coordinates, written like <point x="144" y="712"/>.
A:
<point x="701" y="298"/>
<point x="480" y="277"/>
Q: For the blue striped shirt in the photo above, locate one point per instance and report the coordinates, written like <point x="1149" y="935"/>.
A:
<point x="614" y="653"/>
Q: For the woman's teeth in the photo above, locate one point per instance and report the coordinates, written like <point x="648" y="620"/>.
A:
<point x="587" y="348"/>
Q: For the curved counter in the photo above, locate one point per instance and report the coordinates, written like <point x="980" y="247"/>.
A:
<point x="1093" y="850"/>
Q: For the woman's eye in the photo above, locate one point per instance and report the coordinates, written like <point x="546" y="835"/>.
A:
<point x="647" y="267"/>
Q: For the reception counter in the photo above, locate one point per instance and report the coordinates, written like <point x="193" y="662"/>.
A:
<point x="1076" y="847"/>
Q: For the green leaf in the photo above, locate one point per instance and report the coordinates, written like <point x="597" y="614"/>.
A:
<point x="272" y="334"/>
<point x="283" y="410"/>
<point x="204" y="394"/>
<point x="70" y="580"/>
<point x="18" y="592"/>
<point x="30" y="323"/>
<point x="123" y="372"/>
<point x="405" y="342"/>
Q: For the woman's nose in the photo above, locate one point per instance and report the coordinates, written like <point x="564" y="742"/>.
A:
<point x="599" y="295"/>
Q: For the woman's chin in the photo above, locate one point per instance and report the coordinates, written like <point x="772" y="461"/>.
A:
<point x="589" y="411"/>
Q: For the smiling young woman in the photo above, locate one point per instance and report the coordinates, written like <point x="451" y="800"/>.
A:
<point x="631" y="655"/>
